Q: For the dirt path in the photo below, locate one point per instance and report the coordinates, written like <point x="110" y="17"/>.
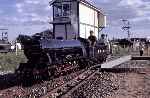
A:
<point x="133" y="85"/>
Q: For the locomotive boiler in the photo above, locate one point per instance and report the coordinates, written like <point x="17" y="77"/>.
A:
<point x="53" y="57"/>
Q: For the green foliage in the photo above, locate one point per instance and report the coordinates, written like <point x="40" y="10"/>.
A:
<point x="119" y="51"/>
<point x="10" y="60"/>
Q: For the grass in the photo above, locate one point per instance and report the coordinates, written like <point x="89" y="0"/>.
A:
<point x="121" y="51"/>
<point x="10" y="60"/>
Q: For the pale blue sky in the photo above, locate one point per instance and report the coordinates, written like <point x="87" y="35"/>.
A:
<point x="31" y="16"/>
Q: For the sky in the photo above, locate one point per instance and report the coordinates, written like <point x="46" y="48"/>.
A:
<point x="32" y="16"/>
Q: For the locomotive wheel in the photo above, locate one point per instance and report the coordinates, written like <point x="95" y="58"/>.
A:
<point x="83" y="63"/>
<point x="41" y="72"/>
<point x="36" y="75"/>
<point x="46" y="74"/>
<point x="28" y="78"/>
<point x="24" y="74"/>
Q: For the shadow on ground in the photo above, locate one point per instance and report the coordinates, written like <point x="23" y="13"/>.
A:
<point x="7" y="81"/>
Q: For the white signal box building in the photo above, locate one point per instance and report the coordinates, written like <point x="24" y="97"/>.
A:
<point x="76" y="18"/>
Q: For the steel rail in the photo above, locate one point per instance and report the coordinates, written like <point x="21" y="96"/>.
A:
<point x="66" y="89"/>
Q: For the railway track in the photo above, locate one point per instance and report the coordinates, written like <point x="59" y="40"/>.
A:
<point x="68" y="88"/>
<point x="71" y="85"/>
<point x="16" y="91"/>
<point x="108" y="79"/>
<point x="37" y="89"/>
<point x="65" y="88"/>
<point x="65" y="91"/>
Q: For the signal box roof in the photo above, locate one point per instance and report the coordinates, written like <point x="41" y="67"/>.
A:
<point x="81" y="1"/>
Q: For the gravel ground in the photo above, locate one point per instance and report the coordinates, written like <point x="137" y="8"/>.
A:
<point x="116" y="85"/>
<point x="103" y="85"/>
<point x="36" y="90"/>
<point x="133" y="84"/>
<point x="99" y="86"/>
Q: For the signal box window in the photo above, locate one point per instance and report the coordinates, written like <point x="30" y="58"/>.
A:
<point x="62" y="9"/>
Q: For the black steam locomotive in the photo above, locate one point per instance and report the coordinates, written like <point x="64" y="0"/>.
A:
<point x="52" y="57"/>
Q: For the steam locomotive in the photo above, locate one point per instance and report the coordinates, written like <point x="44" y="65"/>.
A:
<point x="52" y="57"/>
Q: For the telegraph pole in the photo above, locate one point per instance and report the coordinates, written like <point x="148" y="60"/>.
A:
<point x="100" y="28"/>
<point x="126" y="27"/>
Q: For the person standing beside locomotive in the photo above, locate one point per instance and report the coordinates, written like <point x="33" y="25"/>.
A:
<point x="92" y="39"/>
<point x="92" y="42"/>
<point x="141" y="48"/>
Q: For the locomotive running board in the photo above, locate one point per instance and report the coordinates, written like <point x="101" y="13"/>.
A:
<point x="116" y="62"/>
